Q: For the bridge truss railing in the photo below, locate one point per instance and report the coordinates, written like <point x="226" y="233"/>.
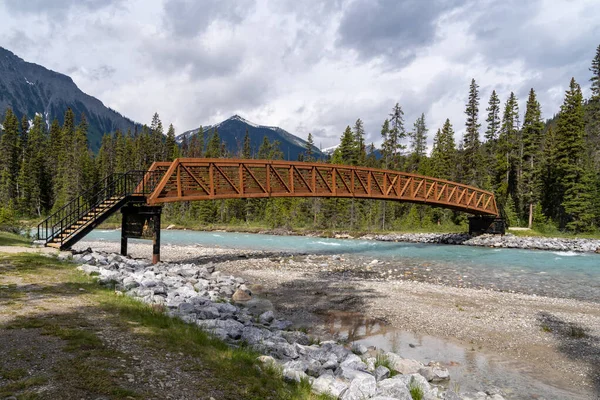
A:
<point x="205" y="179"/>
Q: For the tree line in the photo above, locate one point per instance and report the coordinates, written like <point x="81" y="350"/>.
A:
<point x="544" y="173"/>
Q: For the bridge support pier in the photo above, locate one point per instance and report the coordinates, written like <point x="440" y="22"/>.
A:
<point x="141" y="222"/>
<point x="480" y="224"/>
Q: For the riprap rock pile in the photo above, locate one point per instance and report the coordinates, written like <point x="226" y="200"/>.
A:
<point x="201" y="295"/>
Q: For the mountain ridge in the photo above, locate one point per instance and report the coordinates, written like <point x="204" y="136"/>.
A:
<point x="233" y="129"/>
<point x="30" y="89"/>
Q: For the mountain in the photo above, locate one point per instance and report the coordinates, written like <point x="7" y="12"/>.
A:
<point x="233" y="130"/>
<point x="30" y="88"/>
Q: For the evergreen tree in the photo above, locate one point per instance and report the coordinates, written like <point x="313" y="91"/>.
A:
<point x="9" y="162"/>
<point x="156" y="139"/>
<point x="593" y="128"/>
<point x="550" y="196"/>
<point x="83" y="167"/>
<point x="443" y="153"/>
<point x="308" y="152"/>
<point x="493" y="118"/>
<point x="507" y="154"/>
<point x="36" y="191"/>
<point x="197" y="144"/>
<point x="595" y="79"/>
<point x="247" y="149"/>
<point x="371" y="157"/>
<point x="185" y="147"/>
<point x="418" y="143"/>
<point x="213" y="149"/>
<point x="106" y="157"/>
<point x="346" y="151"/>
<point x="574" y="180"/>
<point x="532" y="133"/>
<point x="265" y="149"/>
<point x="396" y="135"/>
<point x="386" y="149"/>
<point x="471" y="156"/>
<point x="359" y="140"/>
<point x="171" y="147"/>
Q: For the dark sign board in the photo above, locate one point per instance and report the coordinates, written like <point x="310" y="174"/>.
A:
<point x="481" y="225"/>
<point x="138" y="226"/>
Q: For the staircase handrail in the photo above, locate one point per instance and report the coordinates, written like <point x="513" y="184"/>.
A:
<point x="71" y="212"/>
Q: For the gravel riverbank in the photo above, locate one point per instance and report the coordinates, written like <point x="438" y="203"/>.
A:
<point x="556" y="339"/>
<point x="508" y="241"/>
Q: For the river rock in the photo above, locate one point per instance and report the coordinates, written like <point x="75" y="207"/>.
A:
<point x="296" y="337"/>
<point x="354" y="362"/>
<point x="434" y="373"/>
<point x="284" y="350"/>
<point x="358" y="348"/>
<point x="267" y="360"/>
<point x="242" y="295"/>
<point x="314" y="368"/>
<point x="130" y="283"/>
<point x="208" y="313"/>
<point x="395" y="388"/>
<point x="266" y="317"/>
<point x="253" y="335"/>
<point x="291" y="375"/>
<point x="450" y="395"/>
<point x="363" y="386"/>
<point x="414" y="379"/>
<point x="148" y="283"/>
<point x="297" y="365"/>
<point x="403" y="365"/>
<point x="381" y="373"/>
<point x="329" y="385"/>
<point x="186" y="308"/>
<point x="281" y="325"/>
<point x="232" y="329"/>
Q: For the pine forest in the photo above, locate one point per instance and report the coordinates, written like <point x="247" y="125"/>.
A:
<point x="544" y="168"/>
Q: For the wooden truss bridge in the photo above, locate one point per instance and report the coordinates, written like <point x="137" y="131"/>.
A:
<point x="188" y="179"/>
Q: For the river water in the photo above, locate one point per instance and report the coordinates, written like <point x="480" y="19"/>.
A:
<point x="557" y="274"/>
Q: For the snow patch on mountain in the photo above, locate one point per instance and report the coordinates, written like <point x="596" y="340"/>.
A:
<point x="329" y="150"/>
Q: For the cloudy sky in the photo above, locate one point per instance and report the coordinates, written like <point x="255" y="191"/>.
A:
<point x="306" y="66"/>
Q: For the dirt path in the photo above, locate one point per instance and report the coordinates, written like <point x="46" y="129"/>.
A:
<point x="23" y="249"/>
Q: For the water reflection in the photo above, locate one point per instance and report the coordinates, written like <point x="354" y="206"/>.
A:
<point x="473" y="369"/>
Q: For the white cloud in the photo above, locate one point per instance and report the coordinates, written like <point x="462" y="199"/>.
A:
<point x="311" y="66"/>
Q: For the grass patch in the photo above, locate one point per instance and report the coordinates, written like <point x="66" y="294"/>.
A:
<point x="21" y="385"/>
<point x="546" y="328"/>
<point x="92" y="375"/>
<point x="416" y="391"/>
<point x="13" y="374"/>
<point x="26" y="263"/>
<point x="12" y="239"/>
<point x="384" y="361"/>
<point x="10" y="292"/>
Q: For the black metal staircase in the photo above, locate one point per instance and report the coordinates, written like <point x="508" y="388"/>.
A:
<point x="87" y="210"/>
